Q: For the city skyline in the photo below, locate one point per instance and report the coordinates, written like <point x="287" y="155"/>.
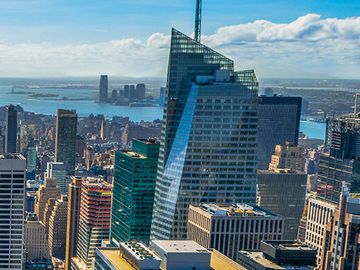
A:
<point x="93" y="39"/>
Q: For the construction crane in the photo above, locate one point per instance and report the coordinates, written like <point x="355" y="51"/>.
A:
<point x="198" y="20"/>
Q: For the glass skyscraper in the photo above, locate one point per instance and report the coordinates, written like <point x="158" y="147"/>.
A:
<point x="208" y="143"/>
<point x="133" y="193"/>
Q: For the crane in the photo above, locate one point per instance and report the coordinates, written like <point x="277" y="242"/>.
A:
<point x="198" y="20"/>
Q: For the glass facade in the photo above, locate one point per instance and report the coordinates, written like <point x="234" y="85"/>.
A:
<point x="208" y="144"/>
<point x="279" y="122"/>
<point x="133" y="192"/>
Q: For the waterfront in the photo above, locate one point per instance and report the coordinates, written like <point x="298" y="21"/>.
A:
<point x="85" y="105"/>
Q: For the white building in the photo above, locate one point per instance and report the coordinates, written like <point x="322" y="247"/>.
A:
<point x="12" y="200"/>
<point x="57" y="171"/>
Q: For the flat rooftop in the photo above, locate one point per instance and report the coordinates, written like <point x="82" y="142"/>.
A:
<point x="257" y="256"/>
<point x="139" y="251"/>
<point x="233" y="210"/>
<point x="180" y="246"/>
<point x="115" y="258"/>
<point x="287" y="245"/>
<point x="132" y="154"/>
<point x="12" y="156"/>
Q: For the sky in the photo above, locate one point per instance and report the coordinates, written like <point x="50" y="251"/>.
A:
<point x="277" y="38"/>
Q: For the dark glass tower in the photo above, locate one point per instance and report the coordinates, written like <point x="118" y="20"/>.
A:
<point x="342" y="162"/>
<point x="133" y="193"/>
<point x="11" y="130"/>
<point x="279" y="122"/>
<point x="66" y="127"/>
<point x="103" y="89"/>
<point x="208" y="143"/>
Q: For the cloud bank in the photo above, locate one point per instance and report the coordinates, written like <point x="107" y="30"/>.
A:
<point x="306" y="47"/>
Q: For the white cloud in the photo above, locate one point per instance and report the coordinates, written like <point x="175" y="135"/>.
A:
<point x="307" y="47"/>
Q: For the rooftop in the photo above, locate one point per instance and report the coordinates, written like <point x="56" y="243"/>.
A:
<point x="132" y="154"/>
<point x="287" y="245"/>
<point x="238" y="209"/>
<point x="220" y="262"/>
<point x="180" y="246"/>
<point x="138" y="251"/>
<point x="12" y="156"/>
<point x="258" y="257"/>
<point x="115" y="258"/>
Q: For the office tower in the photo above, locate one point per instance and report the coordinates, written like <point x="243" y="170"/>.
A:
<point x="288" y="156"/>
<point x="277" y="255"/>
<point x="11" y="130"/>
<point x="103" y="129"/>
<point x="279" y="122"/>
<point x="342" y="162"/>
<point x="132" y="92"/>
<point x="162" y="96"/>
<point x="47" y="213"/>
<point x="57" y="171"/>
<point x="140" y="91"/>
<point x="319" y="214"/>
<point x="130" y="256"/>
<point x="126" y="91"/>
<point x="209" y="135"/>
<point x="231" y="228"/>
<point x="12" y="187"/>
<point x="103" y="89"/>
<point x="134" y="188"/>
<point x="135" y="131"/>
<point x="66" y="125"/>
<point x="94" y="223"/>
<point x="283" y="191"/>
<point x="31" y="160"/>
<point x="114" y="95"/>
<point x="342" y="248"/>
<point x="57" y="229"/>
<point x="35" y="239"/>
<point x="49" y="190"/>
<point x="73" y="216"/>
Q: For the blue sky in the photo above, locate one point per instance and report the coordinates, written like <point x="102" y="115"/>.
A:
<point x="57" y="25"/>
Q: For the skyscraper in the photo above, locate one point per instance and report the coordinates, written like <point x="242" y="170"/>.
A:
<point x="49" y="190"/>
<point x="57" y="229"/>
<point x="94" y="223"/>
<point x="288" y="156"/>
<point x="103" y="89"/>
<point x="12" y="187"/>
<point x="208" y="143"/>
<point x="73" y="216"/>
<point x="57" y="171"/>
<point x="11" y="130"/>
<point x="283" y="191"/>
<point x="133" y="194"/>
<point x="342" y="162"/>
<point x="279" y="122"/>
<point x="66" y="127"/>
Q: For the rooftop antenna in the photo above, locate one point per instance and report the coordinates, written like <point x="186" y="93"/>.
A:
<point x="198" y="20"/>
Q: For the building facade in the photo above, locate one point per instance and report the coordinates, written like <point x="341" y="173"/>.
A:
<point x="229" y="229"/>
<point x="95" y="215"/>
<point x="279" y="122"/>
<point x="57" y="171"/>
<point x="66" y="128"/>
<point x="208" y="135"/>
<point x="57" y="229"/>
<point x="35" y="239"/>
<point x="134" y="189"/>
<point x="103" y="89"/>
<point x="11" y="130"/>
<point x="288" y="156"/>
<point x="12" y="201"/>
<point x="283" y="192"/>
<point x="73" y="217"/>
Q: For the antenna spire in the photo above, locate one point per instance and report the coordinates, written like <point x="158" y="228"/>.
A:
<point x="198" y="21"/>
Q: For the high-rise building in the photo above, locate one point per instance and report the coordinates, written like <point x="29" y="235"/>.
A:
<point x="31" y="160"/>
<point x="73" y="216"/>
<point x="47" y="213"/>
<point x="140" y="91"/>
<point x="12" y="188"/>
<point x="35" y="239"/>
<point x="57" y="229"/>
<point x="208" y="144"/>
<point x="49" y="190"/>
<point x="11" y="130"/>
<point x="57" y="171"/>
<point x="319" y="214"/>
<point x="94" y="223"/>
<point x="133" y="194"/>
<point x="342" y="162"/>
<point x="231" y="228"/>
<point x="342" y="244"/>
<point x="283" y="191"/>
<point x="279" y="122"/>
<point x="66" y="126"/>
<point x="103" y="89"/>
<point x="288" y="156"/>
